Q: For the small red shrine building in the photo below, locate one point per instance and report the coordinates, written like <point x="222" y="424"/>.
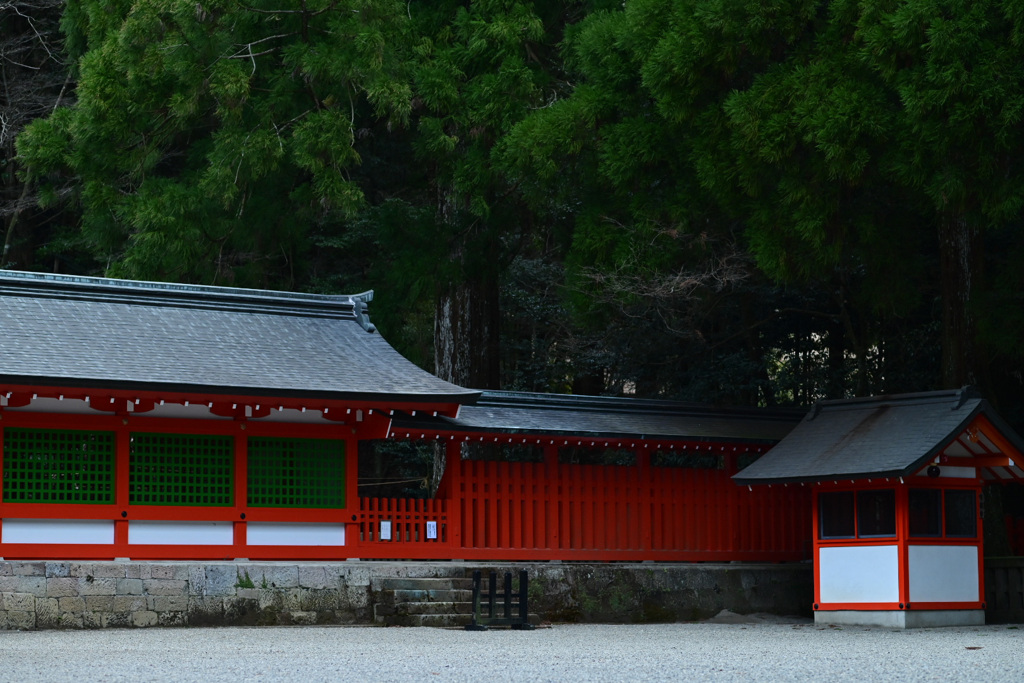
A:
<point x="897" y="484"/>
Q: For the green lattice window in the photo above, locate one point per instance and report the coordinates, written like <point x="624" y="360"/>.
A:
<point x="179" y="469"/>
<point x="296" y="473"/>
<point x="58" y="466"/>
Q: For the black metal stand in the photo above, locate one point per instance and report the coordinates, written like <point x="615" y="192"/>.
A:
<point x="519" y="621"/>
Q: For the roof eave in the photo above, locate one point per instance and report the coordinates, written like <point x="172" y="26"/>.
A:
<point x="457" y="426"/>
<point x="846" y="476"/>
<point x="469" y="396"/>
<point x="982" y="407"/>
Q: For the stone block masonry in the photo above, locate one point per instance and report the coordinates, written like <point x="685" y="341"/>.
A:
<point x="77" y="595"/>
<point x="44" y="595"/>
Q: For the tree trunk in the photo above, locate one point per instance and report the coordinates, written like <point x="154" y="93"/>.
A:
<point x="466" y="344"/>
<point x="466" y="339"/>
<point x="12" y="223"/>
<point x="466" y="316"/>
<point x="835" y="383"/>
<point x="960" y="263"/>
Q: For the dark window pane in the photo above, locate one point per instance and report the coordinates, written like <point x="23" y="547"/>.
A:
<point x="961" y="514"/>
<point x="876" y="513"/>
<point x="835" y="511"/>
<point x="925" y="512"/>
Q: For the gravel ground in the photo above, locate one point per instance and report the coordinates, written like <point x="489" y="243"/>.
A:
<point x="670" y="652"/>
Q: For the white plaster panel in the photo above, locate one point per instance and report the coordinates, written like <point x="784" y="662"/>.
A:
<point x="986" y="442"/>
<point x="88" y="531"/>
<point x="180" y="533"/>
<point x="292" y="415"/>
<point x="857" y="574"/>
<point x="943" y="573"/>
<point x="957" y="472"/>
<point x="284" y="533"/>
<point x="956" y="449"/>
<point x="951" y="472"/>
<point x="195" y="411"/>
<point x="67" y="406"/>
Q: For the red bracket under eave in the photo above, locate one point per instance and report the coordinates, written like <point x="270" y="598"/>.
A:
<point x="19" y="400"/>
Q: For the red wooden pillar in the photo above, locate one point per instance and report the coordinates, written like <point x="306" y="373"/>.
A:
<point x="241" y="489"/>
<point x="815" y="535"/>
<point x="902" y="533"/>
<point x="528" y="472"/>
<point x="643" y="463"/>
<point x="728" y="529"/>
<point x="551" y="495"/>
<point x="981" y="540"/>
<point x="352" y="502"/>
<point x="456" y="496"/>
<point x="122" y="462"/>
<point x="1" y="475"/>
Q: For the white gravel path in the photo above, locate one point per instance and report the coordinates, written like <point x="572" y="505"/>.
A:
<point x="669" y="652"/>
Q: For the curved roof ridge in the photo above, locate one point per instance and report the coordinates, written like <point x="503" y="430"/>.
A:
<point x="963" y="394"/>
<point x="112" y="290"/>
<point x="628" y="404"/>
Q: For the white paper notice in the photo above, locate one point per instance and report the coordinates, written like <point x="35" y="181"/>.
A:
<point x="385" y="530"/>
<point x="431" y="529"/>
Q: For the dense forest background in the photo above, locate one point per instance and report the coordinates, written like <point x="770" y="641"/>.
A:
<point x="726" y="201"/>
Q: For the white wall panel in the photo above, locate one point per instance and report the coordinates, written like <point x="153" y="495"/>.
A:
<point x="89" y="531"/>
<point x="947" y="471"/>
<point x="180" y="533"/>
<point x="854" y="574"/>
<point x="943" y="573"/>
<point x="282" y="533"/>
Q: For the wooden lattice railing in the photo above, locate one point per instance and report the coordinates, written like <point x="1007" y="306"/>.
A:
<point x="404" y="527"/>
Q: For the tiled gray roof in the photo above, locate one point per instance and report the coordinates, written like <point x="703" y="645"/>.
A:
<point x="870" y="437"/>
<point x="588" y="416"/>
<point x="71" y="331"/>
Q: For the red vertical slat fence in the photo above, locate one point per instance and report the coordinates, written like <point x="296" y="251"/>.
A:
<point x="553" y="511"/>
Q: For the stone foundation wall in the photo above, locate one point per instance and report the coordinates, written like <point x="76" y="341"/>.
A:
<point x="43" y="595"/>
<point x="139" y="594"/>
<point x="650" y="593"/>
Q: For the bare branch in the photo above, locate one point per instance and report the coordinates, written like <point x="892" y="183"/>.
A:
<point x="263" y="40"/>
<point x="291" y="11"/>
<point x="677" y="298"/>
<point x="250" y="54"/>
<point x="32" y="24"/>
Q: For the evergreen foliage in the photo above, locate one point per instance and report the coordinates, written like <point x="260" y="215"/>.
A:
<point x="717" y="200"/>
<point x="209" y="139"/>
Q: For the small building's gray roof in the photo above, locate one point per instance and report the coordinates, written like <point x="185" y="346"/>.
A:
<point x="95" y="332"/>
<point x="880" y="436"/>
<point x="502" y="412"/>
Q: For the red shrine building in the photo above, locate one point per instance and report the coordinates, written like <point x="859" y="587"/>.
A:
<point x="158" y="421"/>
<point x="146" y="421"/>
<point x="897" y="484"/>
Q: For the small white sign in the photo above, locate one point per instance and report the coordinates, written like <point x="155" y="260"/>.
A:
<point x="432" y="530"/>
<point x="385" y="530"/>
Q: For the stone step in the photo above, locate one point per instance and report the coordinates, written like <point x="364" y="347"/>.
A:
<point x="403" y="608"/>
<point x="439" y="595"/>
<point x="439" y="602"/>
<point x="438" y="620"/>
<point x="425" y="584"/>
<point x="435" y="620"/>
